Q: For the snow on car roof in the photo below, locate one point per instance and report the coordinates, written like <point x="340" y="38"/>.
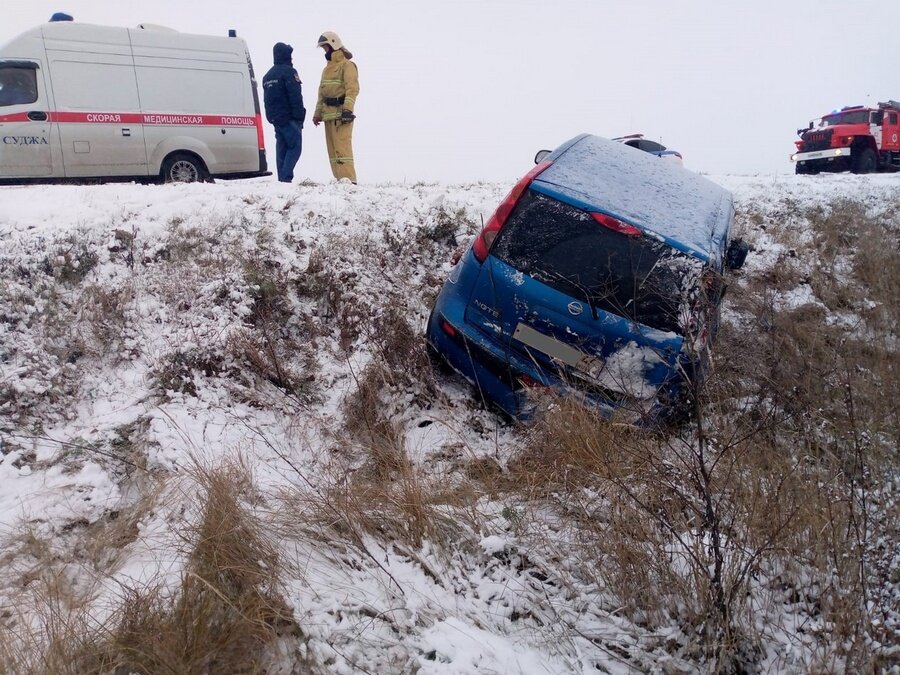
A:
<point x="690" y="212"/>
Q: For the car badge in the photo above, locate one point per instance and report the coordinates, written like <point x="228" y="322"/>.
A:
<point x="575" y="308"/>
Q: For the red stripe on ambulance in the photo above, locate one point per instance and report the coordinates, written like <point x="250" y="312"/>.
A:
<point x="14" y="117"/>
<point x="152" y="119"/>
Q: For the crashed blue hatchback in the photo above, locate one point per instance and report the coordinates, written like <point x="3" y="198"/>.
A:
<point x="599" y="275"/>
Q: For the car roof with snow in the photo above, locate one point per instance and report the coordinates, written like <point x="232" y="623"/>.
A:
<point x="686" y="210"/>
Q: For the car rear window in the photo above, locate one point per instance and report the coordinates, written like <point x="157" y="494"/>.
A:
<point x="636" y="277"/>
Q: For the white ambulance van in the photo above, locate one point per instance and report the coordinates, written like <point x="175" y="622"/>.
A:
<point x="80" y="101"/>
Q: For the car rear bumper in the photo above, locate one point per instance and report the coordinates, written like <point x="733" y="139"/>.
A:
<point x="508" y="381"/>
<point x="477" y="361"/>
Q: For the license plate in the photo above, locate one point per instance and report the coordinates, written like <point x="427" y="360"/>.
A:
<point x="558" y="351"/>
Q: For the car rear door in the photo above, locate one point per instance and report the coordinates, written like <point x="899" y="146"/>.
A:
<point x="579" y="301"/>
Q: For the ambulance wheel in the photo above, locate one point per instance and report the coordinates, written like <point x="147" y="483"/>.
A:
<point x="184" y="168"/>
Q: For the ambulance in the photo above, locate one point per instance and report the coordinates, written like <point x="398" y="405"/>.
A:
<point x="81" y="101"/>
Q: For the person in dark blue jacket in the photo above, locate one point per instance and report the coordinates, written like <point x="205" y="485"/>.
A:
<point x="283" y="99"/>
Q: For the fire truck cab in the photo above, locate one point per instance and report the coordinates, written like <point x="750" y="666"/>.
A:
<point x="855" y="138"/>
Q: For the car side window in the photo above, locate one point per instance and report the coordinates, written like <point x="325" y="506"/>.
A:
<point x="639" y="278"/>
<point x="18" y="85"/>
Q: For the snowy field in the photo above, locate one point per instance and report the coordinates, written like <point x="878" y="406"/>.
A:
<point x="148" y="330"/>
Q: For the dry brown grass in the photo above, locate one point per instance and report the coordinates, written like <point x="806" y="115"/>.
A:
<point x="228" y="610"/>
<point x="225" y="616"/>
<point x="387" y="494"/>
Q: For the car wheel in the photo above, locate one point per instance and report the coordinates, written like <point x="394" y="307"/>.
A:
<point x="866" y="161"/>
<point x="184" y="168"/>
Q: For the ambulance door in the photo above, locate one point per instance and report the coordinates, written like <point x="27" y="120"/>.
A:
<point x="26" y="144"/>
<point x="98" y="110"/>
<point x="197" y="95"/>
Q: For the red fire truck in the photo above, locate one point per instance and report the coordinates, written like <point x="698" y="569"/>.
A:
<point x="855" y="138"/>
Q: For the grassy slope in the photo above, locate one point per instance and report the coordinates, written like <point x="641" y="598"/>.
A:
<point x="215" y="411"/>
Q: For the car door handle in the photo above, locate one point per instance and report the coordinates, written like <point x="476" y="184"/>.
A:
<point x="37" y="116"/>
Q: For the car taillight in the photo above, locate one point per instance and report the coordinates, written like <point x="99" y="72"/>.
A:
<point x="485" y="239"/>
<point x="616" y="224"/>
<point x="447" y="328"/>
<point x="530" y="382"/>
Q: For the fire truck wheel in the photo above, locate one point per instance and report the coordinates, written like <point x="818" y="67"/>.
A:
<point x="866" y="162"/>
<point x="184" y="168"/>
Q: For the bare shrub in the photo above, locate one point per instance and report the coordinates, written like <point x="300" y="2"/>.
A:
<point x="275" y="341"/>
<point x="683" y="523"/>
<point x="273" y="360"/>
<point x="807" y="389"/>
<point x="177" y="372"/>
<point x="399" y="360"/>
<point x="331" y="282"/>
<point x="443" y="226"/>
<point x="105" y="311"/>
<point x="876" y="264"/>
<point x="270" y="286"/>
<point x="71" y="260"/>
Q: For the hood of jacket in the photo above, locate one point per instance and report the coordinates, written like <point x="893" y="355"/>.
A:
<point x="281" y="53"/>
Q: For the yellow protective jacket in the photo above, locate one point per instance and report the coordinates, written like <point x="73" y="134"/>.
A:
<point x="339" y="79"/>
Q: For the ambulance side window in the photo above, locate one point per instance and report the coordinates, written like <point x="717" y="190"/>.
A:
<point x="18" y="85"/>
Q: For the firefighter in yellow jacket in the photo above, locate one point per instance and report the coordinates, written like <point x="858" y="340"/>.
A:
<point x="337" y="97"/>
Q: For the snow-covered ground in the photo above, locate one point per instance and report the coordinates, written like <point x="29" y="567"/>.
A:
<point x="130" y="318"/>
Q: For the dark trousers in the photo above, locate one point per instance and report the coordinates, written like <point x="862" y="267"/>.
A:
<point x="288" y="146"/>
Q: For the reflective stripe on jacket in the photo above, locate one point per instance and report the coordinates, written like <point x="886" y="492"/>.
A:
<point x="339" y="78"/>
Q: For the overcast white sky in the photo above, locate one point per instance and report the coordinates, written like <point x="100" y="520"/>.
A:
<point x="467" y="90"/>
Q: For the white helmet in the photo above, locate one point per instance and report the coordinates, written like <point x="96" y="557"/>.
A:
<point x="330" y="38"/>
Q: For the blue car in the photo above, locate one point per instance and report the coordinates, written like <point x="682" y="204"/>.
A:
<point x="600" y="275"/>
